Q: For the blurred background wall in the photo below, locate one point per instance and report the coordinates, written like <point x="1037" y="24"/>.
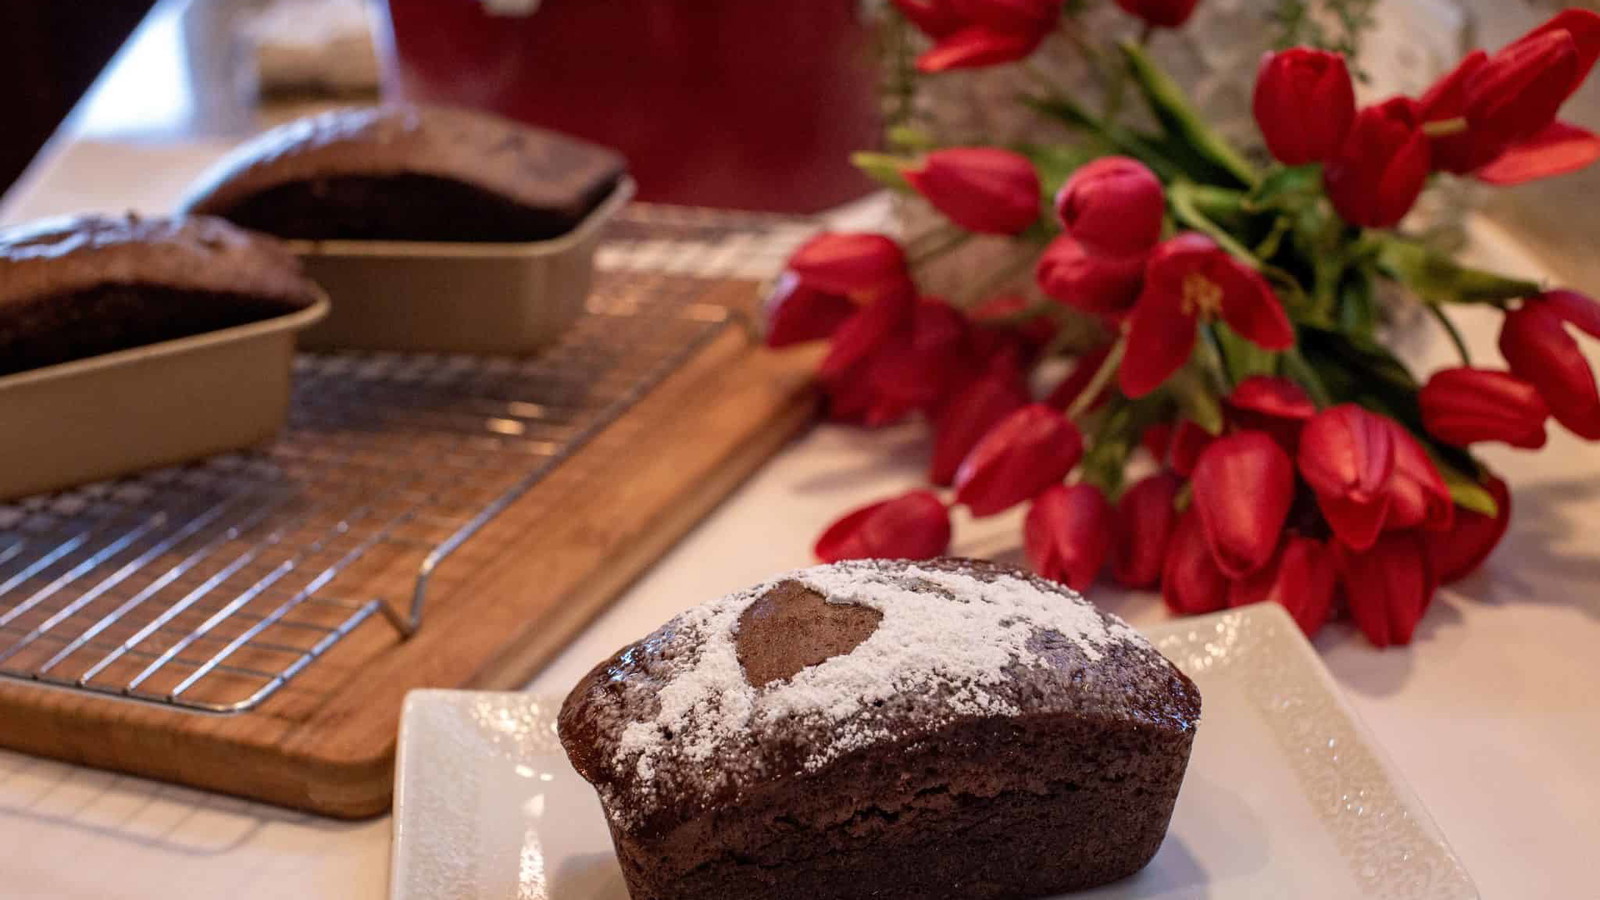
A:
<point x="50" y="52"/>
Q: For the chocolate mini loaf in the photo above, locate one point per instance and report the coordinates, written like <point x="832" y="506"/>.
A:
<point x="409" y="173"/>
<point x="76" y="287"/>
<point x="884" y="730"/>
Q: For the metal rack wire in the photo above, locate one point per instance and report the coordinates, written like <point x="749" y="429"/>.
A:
<point x="208" y="587"/>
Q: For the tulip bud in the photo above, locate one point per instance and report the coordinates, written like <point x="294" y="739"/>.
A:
<point x="1418" y="495"/>
<point x="1520" y="90"/>
<point x="1534" y="340"/>
<point x="934" y="18"/>
<point x="1304" y="104"/>
<point x="1188" y="442"/>
<point x="797" y="314"/>
<point x="1510" y="101"/>
<point x="972" y="413"/>
<point x="1011" y="15"/>
<point x="1027" y="452"/>
<point x="982" y="189"/>
<point x="1465" y="406"/>
<point x="1067" y="534"/>
<point x="1191" y="583"/>
<point x="915" y="526"/>
<point x="1389" y="587"/>
<point x="1302" y="578"/>
<point x="1458" y="552"/>
<point x="977" y="46"/>
<point x="863" y="266"/>
<point x="1145" y="518"/>
<point x="1347" y="456"/>
<point x="1161" y="13"/>
<point x="1069" y="272"/>
<point x="1276" y="406"/>
<point x="1379" y="171"/>
<point x="1114" y="205"/>
<point x="1243" y="487"/>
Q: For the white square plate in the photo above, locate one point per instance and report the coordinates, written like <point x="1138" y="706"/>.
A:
<point x="1286" y="795"/>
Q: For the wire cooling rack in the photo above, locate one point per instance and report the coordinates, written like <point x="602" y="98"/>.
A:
<point x="208" y="587"/>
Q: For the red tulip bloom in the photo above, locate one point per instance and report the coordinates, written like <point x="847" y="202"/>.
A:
<point x="1190" y="278"/>
<point x="971" y="414"/>
<point x="1067" y="534"/>
<point x="797" y="314"/>
<point x="1535" y="341"/>
<point x="1243" y="487"/>
<point x="1073" y="274"/>
<point x="1188" y="442"/>
<point x="1302" y="578"/>
<point x="1518" y="91"/>
<point x="982" y="189"/>
<point x="1304" y="104"/>
<point x="864" y="267"/>
<point x="1509" y="103"/>
<point x="1157" y="440"/>
<point x="1418" y="495"/>
<point x="934" y="18"/>
<point x="1458" y="552"/>
<point x="1389" y="587"/>
<point x="978" y="47"/>
<point x="1114" y="205"/>
<point x="1145" y="518"/>
<point x="1000" y="314"/>
<point x="915" y="526"/>
<point x="1027" y="452"/>
<point x="1561" y="148"/>
<point x="1161" y="13"/>
<point x="1380" y="169"/>
<point x="1468" y="406"/>
<point x="1276" y="406"/>
<point x="890" y="359"/>
<point x="1347" y="456"/>
<point x="974" y="33"/>
<point x="1191" y="583"/>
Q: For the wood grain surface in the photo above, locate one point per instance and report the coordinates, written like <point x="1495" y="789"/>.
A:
<point x="497" y="610"/>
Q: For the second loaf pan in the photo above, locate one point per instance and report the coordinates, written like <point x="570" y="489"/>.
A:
<point x="486" y="298"/>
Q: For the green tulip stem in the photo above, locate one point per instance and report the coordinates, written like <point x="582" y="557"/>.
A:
<point x="1100" y="381"/>
<point x="1450" y="329"/>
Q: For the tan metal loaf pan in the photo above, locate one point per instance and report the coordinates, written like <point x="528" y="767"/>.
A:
<point x="455" y="297"/>
<point x="149" y="406"/>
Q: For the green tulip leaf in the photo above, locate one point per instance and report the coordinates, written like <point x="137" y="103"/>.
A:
<point x="1196" y="399"/>
<point x="1437" y="278"/>
<point x="1184" y="125"/>
<point x="883" y="168"/>
<point x="1286" y="188"/>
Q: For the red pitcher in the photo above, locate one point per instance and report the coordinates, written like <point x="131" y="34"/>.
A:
<point x="746" y="104"/>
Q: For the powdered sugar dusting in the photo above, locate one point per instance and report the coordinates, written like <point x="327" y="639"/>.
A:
<point x="947" y="634"/>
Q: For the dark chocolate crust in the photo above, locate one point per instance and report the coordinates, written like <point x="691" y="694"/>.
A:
<point x="1070" y="787"/>
<point x="78" y="287"/>
<point x="409" y="173"/>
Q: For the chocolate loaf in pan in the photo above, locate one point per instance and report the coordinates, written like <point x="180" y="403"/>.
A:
<point x="950" y="729"/>
<point x="81" y="286"/>
<point x="409" y="173"/>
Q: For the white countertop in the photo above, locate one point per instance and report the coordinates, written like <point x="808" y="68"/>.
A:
<point x="1492" y="715"/>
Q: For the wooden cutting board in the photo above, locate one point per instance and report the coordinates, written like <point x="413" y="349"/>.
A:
<point x="497" y="610"/>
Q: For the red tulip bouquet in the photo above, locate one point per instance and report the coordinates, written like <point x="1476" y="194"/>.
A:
<point x="1290" y="456"/>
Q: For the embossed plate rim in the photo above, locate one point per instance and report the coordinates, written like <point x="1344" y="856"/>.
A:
<point x="1385" y="836"/>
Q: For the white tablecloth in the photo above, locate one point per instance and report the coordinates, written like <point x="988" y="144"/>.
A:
<point x="1492" y="715"/>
